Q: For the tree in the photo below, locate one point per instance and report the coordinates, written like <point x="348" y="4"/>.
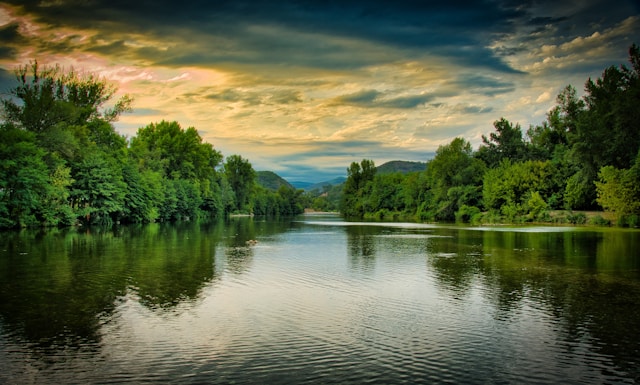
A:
<point x="518" y="188"/>
<point x="23" y="177"/>
<point x="48" y="96"/>
<point x="184" y="162"/>
<point x="386" y="193"/>
<point x="619" y="190"/>
<point x="505" y="143"/>
<point x="454" y="179"/>
<point x="175" y="152"/>
<point x="241" y="178"/>
<point x="607" y="132"/>
<point x="65" y="113"/>
<point x="357" y="188"/>
<point x="98" y="191"/>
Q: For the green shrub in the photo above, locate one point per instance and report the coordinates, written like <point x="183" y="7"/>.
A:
<point x="631" y="220"/>
<point x="466" y="214"/>
<point x="598" y="220"/>
<point x="536" y="207"/>
<point x="577" y="219"/>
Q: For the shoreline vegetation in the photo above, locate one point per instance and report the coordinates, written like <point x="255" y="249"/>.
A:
<point x="64" y="164"/>
<point x="556" y="218"/>
<point x="580" y="166"/>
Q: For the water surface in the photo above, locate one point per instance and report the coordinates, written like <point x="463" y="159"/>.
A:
<point x="320" y="300"/>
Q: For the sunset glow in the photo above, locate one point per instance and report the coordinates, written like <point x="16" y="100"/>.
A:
<point x="304" y="88"/>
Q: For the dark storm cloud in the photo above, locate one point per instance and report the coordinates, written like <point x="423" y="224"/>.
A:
<point x="9" y="33"/>
<point x="253" y="98"/>
<point x="482" y="84"/>
<point x="376" y="99"/>
<point x="214" y="30"/>
<point x="11" y="39"/>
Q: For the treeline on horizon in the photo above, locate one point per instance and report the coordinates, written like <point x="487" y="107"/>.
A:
<point x="62" y="163"/>
<point x="584" y="156"/>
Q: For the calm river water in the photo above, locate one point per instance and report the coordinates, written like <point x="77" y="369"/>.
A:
<point x="320" y="300"/>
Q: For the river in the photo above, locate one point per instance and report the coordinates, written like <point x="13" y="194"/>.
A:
<point x="315" y="299"/>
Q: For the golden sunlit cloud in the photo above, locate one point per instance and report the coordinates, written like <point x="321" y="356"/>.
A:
<point x="304" y="92"/>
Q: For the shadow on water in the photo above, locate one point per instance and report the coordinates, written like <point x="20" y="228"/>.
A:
<point x="588" y="281"/>
<point x="243" y="233"/>
<point x="59" y="288"/>
<point x="58" y="285"/>
<point x="361" y="246"/>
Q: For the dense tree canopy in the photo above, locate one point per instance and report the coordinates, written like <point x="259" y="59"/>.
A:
<point x="241" y="177"/>
<point x="62" y="162"/>
<point x="583" y="156"/>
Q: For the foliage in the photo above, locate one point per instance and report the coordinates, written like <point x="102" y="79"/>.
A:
<point x="400" y="166"/>
<point x="49" y="96"/>
<point x="577" y="218"/>
<point x="328" y="198"/>
<point x="505" y="143"/>
<point x="619" y="190"/>
<point x="62" y="161"/>
<point x="271" y="180"/>
<point x="241" y="177"/>
<point x="510" y="183"/>
<point x="284" y="201"/>
<point x="357" y="188"/>
<point x="598" y="220"/>
<point x="23" y="177"/>
<point x="468" y="214"/>
<point x="453" y="179"/>
<point x="98" y="190"/>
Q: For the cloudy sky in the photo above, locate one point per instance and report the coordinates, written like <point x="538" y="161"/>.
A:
<point x="304" y="88"/>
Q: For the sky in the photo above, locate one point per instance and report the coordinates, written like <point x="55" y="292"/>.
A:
<point x="304" y="88"/>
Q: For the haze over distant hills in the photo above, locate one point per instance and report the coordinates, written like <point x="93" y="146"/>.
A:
<point x="273" y="181"/>
<point x="308" y="186"/>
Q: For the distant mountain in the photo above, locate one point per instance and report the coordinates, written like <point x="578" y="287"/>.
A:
<point x="332" y="182"/>
<point x="302" y="185"/>
<point x="271" y="180"/>
<point x="400" y="166"/>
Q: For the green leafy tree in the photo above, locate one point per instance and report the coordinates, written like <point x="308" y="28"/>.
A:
<point x="56" y="210"/>
<point x="241" y="178"/>
<point x="414" y="190"/>
<point x="23" y="177"/>
<point x="144" y="196"/>
<point x="517" y="189"/>
<point x="386" y="192"/>
<point x="454" y="179"/>
<point x="66" y="113"/>
<point x="184" y="162"/>
<point x="357" y="188"/>
<point x="175" y="152"/>
<point x="619" y="190"/>
<point x="607" y="132"/>
<point x="292" y="200"/>
<point x="48" y="96"/>
<point x="505" y="143"/>
<point x="98" y="191"/>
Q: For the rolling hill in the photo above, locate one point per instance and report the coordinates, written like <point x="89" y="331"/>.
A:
<point x="271" y="180"/>
<point x="401" y="166"/>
